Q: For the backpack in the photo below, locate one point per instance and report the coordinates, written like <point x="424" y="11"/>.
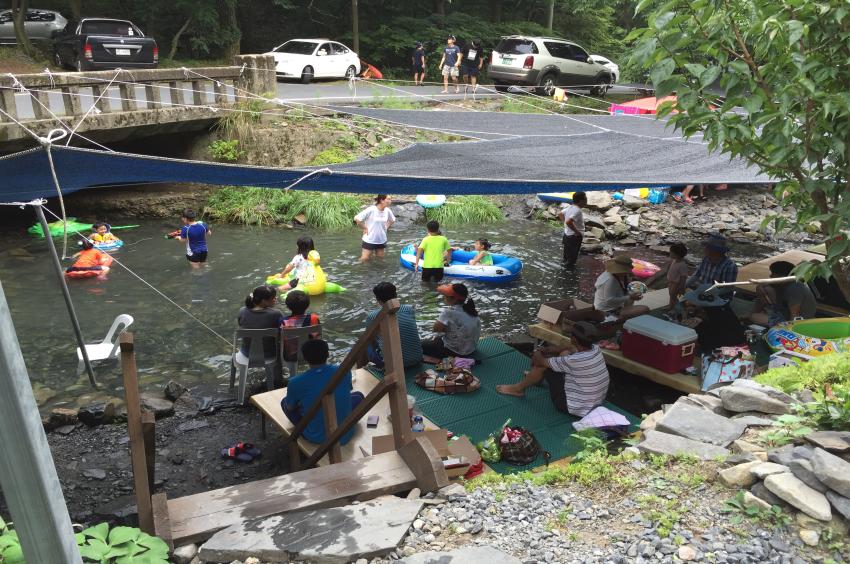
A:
<point x="520" y="446"/>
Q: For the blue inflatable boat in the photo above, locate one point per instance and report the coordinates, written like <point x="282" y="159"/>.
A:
<point x="503" y="269"/>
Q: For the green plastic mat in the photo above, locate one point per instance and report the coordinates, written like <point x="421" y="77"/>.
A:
<point x="482" y="412"/>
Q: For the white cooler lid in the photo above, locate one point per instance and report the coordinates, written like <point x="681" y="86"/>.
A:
<point x="660" y="330"/>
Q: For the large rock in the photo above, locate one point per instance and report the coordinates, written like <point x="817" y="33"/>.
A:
<point x="633" y="202"/>
<point x="597" y="200"/>
<point x="772" y="392"/>
<point x="651" y="420"/>
<point x="633" y="220"/>
<point x="740" y="398"/>
<point x="97" y="413"/>
<point x="160" y="407"/>
<point x="740" y="475"/>
<point x="617" y="231"/>
<point x="60" y="417"/>
<point x="793" y="491"/>
<point x="699" y="424"/>
<point x="658" y="442"/>
<point x="335" y="535"/>
<point x="766" y="469"/>
<point x="839" y="503"/>
<point x="711" y="403"/>
<point x="593" y="220"/>
<point x="834" y="441"/>
<point x="834" y="472"/>
<point x="753" y="420"/>
<point x="761" y="492"/>
<point x="802" y="468"/>
<point x="174" y="390"/>
<point x="751" y="500"/>
<point x="465" y="555"/>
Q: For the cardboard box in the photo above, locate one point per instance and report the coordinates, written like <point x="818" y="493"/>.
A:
<point x="561" y="314"/>
<point x="457" y="447"/>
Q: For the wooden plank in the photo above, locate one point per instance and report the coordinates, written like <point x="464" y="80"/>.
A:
<point x="329" y="416"/>
<point x="425" y="463"/>
<point x="687" y="383"/>
<point x="149" y="435"/>
<point x="134" y="429"/>
<point x="197" y="517"/>
<point x="394" y="374"/>
<point x="161" y="519"/>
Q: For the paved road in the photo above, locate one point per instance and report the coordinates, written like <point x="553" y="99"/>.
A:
<point x="337" y="92"/>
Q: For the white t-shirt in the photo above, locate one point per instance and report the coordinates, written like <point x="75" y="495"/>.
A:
<point x="573" y="212"/>
<point x="375" y="221"/>
<point x="462" y="330"/>
<point x="299" y="266"/>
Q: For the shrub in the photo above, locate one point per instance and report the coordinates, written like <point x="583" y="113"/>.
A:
<point x="466" y="209"/>
<point x="832" y="369"/>
<point x="249" y="206"/>
<point x="334" y="155"/>
<point x="223" y="150"/>
<point x="324" y="210"/>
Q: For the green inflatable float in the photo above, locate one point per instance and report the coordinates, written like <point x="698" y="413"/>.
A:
<point x="57" y="228"/>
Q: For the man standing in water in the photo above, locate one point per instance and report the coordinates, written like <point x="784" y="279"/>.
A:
<point x="573" y="228"/>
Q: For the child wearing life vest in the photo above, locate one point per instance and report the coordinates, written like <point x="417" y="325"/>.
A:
<point x="102" y="234"/>
<point x="90" y="259"/>
<point x="484" y="258"/>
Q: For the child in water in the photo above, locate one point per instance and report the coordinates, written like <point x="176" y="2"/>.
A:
<point x="102" y="235"/>
<point x="434" y="251"/>
<point x="484" y="258"/>
<point x="90" y="259"/>
<point x="299" y="265"/>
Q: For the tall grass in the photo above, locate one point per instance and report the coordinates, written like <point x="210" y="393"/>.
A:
<point x="466" y="209"/>
<point x="323" y="210"/>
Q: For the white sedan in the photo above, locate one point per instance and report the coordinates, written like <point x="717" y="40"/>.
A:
<point x="608" y="64"/>
<point x="307" y="59"/>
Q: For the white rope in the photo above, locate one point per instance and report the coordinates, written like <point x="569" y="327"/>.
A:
<point x="93" y="106"/>
<point x="22" y="126"/>
<point x="22" y="205"/>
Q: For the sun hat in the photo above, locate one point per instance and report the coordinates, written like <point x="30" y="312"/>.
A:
<point x="620" y="264"/>
<point x="454" y="291"/>
<point x="703" y="298"/>
<point x="716" y="242"/>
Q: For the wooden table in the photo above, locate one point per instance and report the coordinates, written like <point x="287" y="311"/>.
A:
<point x="687" y="383"/>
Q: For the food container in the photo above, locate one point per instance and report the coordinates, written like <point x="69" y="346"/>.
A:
<point x="658" y="343"/>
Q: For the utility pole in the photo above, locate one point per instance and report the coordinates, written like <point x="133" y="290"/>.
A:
<point x="551" y="16"/>
<point x="355" y="27"/>
<point x="27" y="473"/>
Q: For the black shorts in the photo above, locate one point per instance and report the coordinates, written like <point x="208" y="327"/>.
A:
<point x="468" y="70"/>
<point x="197" y="257"/>
<point x="373" y="246"/>
<point x="418" y="68"/>
<point x="435" y="274"/>
<point x="558" y="395"/>
<point x="436" y="348"/>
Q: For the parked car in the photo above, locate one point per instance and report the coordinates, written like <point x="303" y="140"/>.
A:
<point x="610" y="65"/>
<point x="545" y="62"/>
<point x="306" y="59"/>
<point x="98" y="43"/>
<point x="41" y="25"/>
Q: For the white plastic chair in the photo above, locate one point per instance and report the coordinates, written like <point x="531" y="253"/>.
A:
<point x="256" y="357"/>
<point x="108" y="348"/>
<point x="299" y="335"/>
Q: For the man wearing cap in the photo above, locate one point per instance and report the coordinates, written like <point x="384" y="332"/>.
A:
<point x="450" y="64"/>
<point x="715" y="266"/>
<point x="612" y="298"/>
<point x="577" y="376"/>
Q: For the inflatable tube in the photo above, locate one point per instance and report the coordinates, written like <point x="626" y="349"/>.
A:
<point x="643" y="269"/>
<point x="105" y="260"/>
<point x="813" y="337"/>
<point x="503" y="269"/>
<point x="314" y="282"/>
<point x="56" y="228"/>
<point x="111" y="246"/>
<point x="566" y="197"/>
<point x="430" y="200"/>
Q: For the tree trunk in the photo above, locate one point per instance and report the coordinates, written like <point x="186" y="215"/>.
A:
<point x="496" y="11"/>
<point x="76" y="9"/>
<point x="440" y="7"/>
<point x="550" y="18"/>
<point x="229" y="25"/>
<point x="19" y="17"/>
<point x="355" y="27"/>
<point x="176" y="41"/>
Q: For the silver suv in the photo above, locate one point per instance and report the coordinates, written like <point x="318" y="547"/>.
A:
<point x="545" y="62"/>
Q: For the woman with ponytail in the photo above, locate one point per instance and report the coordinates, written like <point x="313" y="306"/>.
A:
<point x="259" y="313"/>
<point x="459" y="324"/>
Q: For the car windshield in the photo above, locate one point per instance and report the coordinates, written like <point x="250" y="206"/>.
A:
<point x="297" y="48"/>
<point x="109" y="27"/>
<point x="516" y="47"/>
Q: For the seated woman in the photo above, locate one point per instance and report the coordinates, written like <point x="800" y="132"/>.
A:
<point x="777" y="303"/>
<point x="259" y="313"/>
<point x="411" y="345"/>
<point x="459" y="324"/>
<point x="612" y="299"/>
<point x="712" y="318"/>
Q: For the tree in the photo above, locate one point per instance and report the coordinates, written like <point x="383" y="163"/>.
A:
<point x="355" y="27"/>
<point x="785" y="63"/>
<point x="550" y="15"/>
<point x="19" y="17"/>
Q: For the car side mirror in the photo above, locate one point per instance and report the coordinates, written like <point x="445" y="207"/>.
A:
<point x="321" y="53"/>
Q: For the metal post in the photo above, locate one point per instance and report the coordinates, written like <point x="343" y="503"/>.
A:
<point x="550" y="16"/>
<point x="57" y="266"/>
<point x="27" y="474"/>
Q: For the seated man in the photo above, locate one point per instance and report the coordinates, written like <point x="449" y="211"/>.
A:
<point x="577" y="375"/>
<point x="411" y="344"/>
<point x="777" y="303"/>
<point x="304" y="390"/>
<point x="712" y="317"/>
<point x="715" y="265"/>
<point x="612" y="298"/>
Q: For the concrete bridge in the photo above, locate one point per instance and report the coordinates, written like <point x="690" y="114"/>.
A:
<point x="111" y="106"/>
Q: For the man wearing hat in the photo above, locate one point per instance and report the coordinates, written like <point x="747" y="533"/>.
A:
<point x="715" y="265"/>
<point x="612" y="298"/>
<point x="450" y="63"/>
<point x="577" y="376"/>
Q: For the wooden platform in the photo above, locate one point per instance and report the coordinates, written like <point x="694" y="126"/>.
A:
<point x="655" y="299"/>
<point x="683" y="382"/>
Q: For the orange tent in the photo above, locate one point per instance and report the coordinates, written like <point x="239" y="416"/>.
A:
<point x="640" y="106"/>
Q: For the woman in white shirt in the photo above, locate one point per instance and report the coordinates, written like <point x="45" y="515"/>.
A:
<point x="375" y="221"/>
<point x="458" y="324"/>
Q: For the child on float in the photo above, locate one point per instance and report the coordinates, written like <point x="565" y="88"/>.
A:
<point x="299" y="265"/>
<point x="484" y="258"/>
<point x="101" y="234"/>
<point x="90" y="259"/>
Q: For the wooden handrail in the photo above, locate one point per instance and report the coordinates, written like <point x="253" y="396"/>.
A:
<point x="390" y="308"/>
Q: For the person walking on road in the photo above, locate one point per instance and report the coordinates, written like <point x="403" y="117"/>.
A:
<point x="573" y="228"/>
<point x="418" y="61"/>
<point x="471" y="63"/>
<point x="450" y="63"/>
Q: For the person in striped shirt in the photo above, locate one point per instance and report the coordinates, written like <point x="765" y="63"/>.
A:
<point x="577" y="376"/>
<point x="411" y="345"/>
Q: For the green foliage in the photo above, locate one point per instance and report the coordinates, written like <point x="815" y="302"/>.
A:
<point x="786" y="429"/>
<point x="396" y="103"/>
<point x="333" y="155"/>
<point x="10" y="545"/>
<point x="228" y="151"/>
<point x="740" y="511"/>
<point x="592" y="441"/>
<point x="324" y="210"/>
<point x="832" y="369"/>
<point x="829" y="413"/>
<point x="465" y="209"/>
<point x="784" y="62"/>
<point x="382" y="149"/>
<point x="660" y="511"/>
<point x="241" y="123"/>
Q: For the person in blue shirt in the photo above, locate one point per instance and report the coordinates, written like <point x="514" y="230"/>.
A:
<point x="411" y="344"/>
<point x="450" y="63"/>
<point x="194" y="234"/>
<point x="304" y="390"/>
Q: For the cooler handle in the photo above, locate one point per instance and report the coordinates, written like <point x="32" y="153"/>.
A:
<point x="688" y="349"/>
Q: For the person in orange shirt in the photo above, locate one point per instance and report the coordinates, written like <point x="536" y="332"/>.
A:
<point x="90" y="259"/>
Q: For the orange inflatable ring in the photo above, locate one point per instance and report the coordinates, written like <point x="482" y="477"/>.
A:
<point x="105" y="260"/>
<point x="643" y="269"/>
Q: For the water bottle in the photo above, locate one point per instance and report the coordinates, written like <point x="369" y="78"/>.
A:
<point x="418" y="424"/>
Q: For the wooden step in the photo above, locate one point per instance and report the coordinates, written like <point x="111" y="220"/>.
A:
<point x="195" y="518"/>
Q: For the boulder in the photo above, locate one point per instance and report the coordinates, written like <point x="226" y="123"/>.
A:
<point x="633" y="202"/>
<point x="614" y="211"/>
<point x="338" y="534"/>
<point x="174" y="390"/>
<point x="185" y="554"/>
<point x="739" y="476"/>
<point x="60" y="417"/>
<point x="753" y="421"/>
<point x="97" y="413"/>
<point x="711" y="403"/>
<point x="593" y="220"/>
<point x="766" y="469"/>
<point x="160" y="407"/>
<point x="463" y="555"/>
<point x="839" y="503"/>
<point x="760" y="491"/>
<point x="772" y="392"/>
<point x="617" y="231"/>
<point x="741" y="446"/>
<point x="596" y="232"/>
<point x="802" y="468"/>
<point x="739" y="398"/>
<point x="699" y="424"/>
<point x="612" y="219"/>
<point x="600" y="201"/>
<point x="793" y="491"/>
<point x="834" y="472"/>
<point x="651" y="420"/>
<point x="633" y="220"/>
<point x="833" y="441"/>
<point x="657" y="442"/>
<point x="810" y="537"/>
<point x="751" y="500"/>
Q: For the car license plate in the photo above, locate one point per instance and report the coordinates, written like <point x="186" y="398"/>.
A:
<point x="123" y="52"/>
<point x="507" y="60"/>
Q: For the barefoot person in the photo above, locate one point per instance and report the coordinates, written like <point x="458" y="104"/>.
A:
<point x="449" y="64"/>
<point x="577" y="376"/>
<point x="375" y="221"/>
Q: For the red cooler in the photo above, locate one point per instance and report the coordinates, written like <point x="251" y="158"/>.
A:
<point x="658" y="343"/>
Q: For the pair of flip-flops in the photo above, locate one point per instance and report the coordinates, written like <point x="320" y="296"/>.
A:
<point x="241" y="452"/>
